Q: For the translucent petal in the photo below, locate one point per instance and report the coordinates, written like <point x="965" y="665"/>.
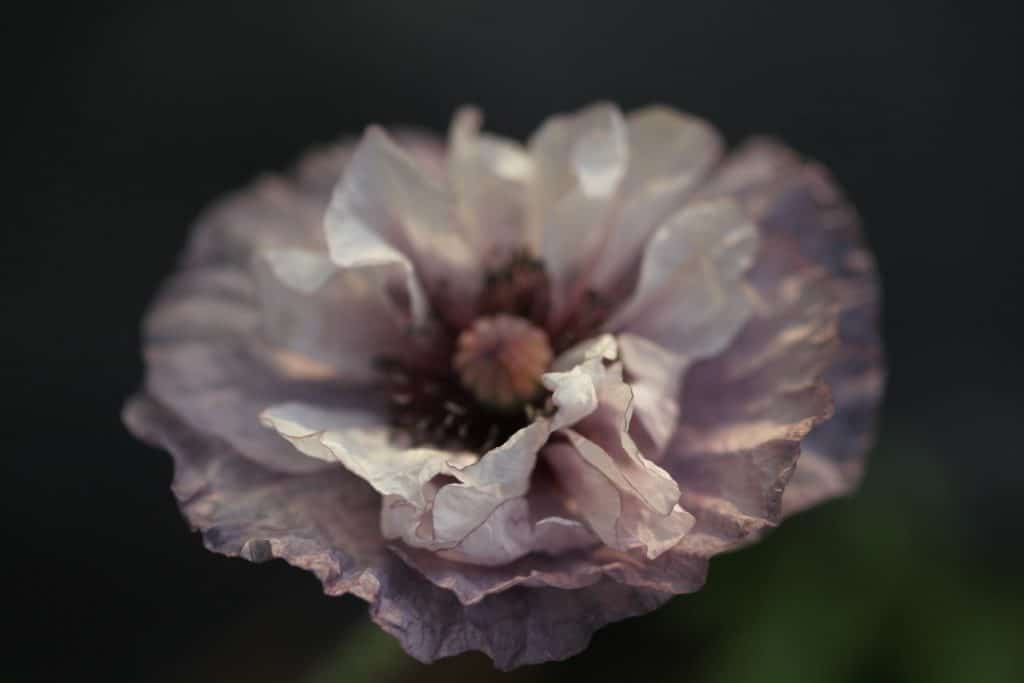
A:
<point x="690" y="297"/>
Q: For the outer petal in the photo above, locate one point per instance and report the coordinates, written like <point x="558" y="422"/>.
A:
<point x="480" y="517"/>
<point x="205" y="345"/>
<point x="745" y="412"/>
<point x="801" y="210"/>
<point x="204" y="360"/>
<point x="387" y="210"/>
<point x="325" y="523"/>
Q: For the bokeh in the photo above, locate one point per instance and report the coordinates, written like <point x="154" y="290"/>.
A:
<point x="130" y="116"/>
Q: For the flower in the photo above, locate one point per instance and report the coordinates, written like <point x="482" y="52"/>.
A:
<point x="507" y="394"/>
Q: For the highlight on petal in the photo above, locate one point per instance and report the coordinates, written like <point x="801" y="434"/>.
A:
<point x="600" y="154"/>
<point x="579" y="163"/>
<point x="670" y="154"/>
<point x="655" y="375"/>
<point x="491" y="177"/>
<point x="690" y="295"/>
<point x="500" y="476"/>
<point x="386" y="210"/>
<point x="805" y="217"/>
<point x="345" y="318"/>
<point x="626" y="500"/>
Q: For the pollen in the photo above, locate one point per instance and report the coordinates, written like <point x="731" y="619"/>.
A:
<point x="500" y="359"/>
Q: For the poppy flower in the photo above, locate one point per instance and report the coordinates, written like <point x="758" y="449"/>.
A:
<point x="509" y="393"/>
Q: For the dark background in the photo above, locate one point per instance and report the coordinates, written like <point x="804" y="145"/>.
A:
<point x="129" y="117"/>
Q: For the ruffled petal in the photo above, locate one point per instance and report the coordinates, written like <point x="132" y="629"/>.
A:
<point x="491" y="177"/>
<point x="655" y="375"/>
<point x="501" y="475"/>
<point x="387" y="210"/>
<point x="690" y="296"/>
<point x="205" y="360"/>
<point x="745" y="412"/>
<point x="473" y="518"/>
<point x="325" y="523"/>
<point x="580" y="161"/>
<point x="345" y="318"/>
<point x="625" y="499"/>
<point x="806" y="219"/>
<point x="206" y="335"/>
<point x="669" y="154"/>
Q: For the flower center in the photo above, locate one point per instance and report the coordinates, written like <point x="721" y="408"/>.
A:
<point x="500" y="358"/>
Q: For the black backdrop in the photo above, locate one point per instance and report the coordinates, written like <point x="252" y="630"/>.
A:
<point x="128" y="117"/>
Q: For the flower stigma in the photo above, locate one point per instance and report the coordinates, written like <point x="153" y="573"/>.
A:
<point x="500" y="358"/>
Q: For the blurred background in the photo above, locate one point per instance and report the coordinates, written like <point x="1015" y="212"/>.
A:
<point x="129" y="117"/>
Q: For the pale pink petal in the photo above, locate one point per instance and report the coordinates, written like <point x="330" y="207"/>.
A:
<point x="387" y="210"/>
<point x="690" y="296"/>
<point x="344" y="318"/>
<point x="655" y="375"/>
<point x="365" y="444"/>
<point x="626" y="500"/>
<point x="491" y="177"/>
<point x="501" y="475"/>
<point x="573" y="393"/>
<point x="579" y="162"/>
<point x="208" y="364"/>
<point x="669" y="154"/>
<point x="325" y="523"/>
<point x="505" y="535"/>
<point x="603" y="347"/>
<point x="462" y="517"/>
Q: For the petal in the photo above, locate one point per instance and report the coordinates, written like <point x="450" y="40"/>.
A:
<point x="364" y="444"/>
<point x="386" y="210"/>
<point x="655" y="375"/>
<point x="469" y="518"/>
<point x="272" y="213"/>
<point x="603" y="347"/>
<point x="490" y="176"/>
<point x="573" y="393"/>
<point x="669" y="154"/>
<point x="204" y="336"/>
<point x="805" y="217"/>
<point x="610" y="504"/>
<point x="345" y="318"/>
<point x="501" y="475"/>
<point x="204" y="304"/>
<point x="220" y="388"/>
<point x="626" y="500"/>
<point x="579" y="162"/>
<point x="326" y="523"/>
<point x="745" y="412"/>
<point x="569" y="151"/>
<point x="504" y="535"/>
<point x="690" y="296"/>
